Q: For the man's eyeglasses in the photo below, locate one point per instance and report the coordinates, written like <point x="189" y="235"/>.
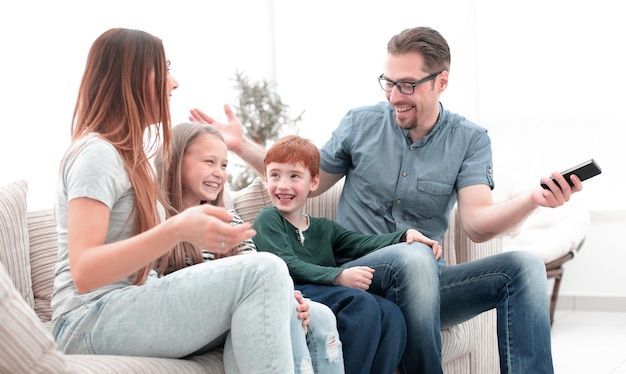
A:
<point x="405" y="88"/>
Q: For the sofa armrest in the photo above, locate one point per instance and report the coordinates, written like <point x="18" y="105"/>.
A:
<point x="25" y="347"/>
<point x="459" y="248"/>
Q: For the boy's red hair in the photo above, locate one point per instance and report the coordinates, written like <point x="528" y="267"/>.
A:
<point x="293" y="149"/>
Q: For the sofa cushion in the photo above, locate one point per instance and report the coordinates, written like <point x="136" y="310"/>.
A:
<point x="14" y="238"/>
<point x="42" y="238"/>
<point x="550" y="233"/>
<point x="26" y="346"/>
<point x="209" y="363"/>
<point x="249" y="201"/>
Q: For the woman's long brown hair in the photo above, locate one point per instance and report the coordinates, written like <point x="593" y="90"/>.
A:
<point x="123" y="98"/>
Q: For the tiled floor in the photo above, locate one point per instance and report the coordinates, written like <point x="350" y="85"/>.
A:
<point x="589" y="342"/>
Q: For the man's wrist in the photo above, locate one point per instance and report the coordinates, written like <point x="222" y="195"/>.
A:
<point x="237" y="147"/>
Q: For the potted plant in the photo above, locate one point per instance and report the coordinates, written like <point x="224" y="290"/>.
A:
<point x="264" y="116"/>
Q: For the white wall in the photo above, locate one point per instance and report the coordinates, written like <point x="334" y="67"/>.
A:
<point x="545" y="77"/>
<point x="44" y="47"/>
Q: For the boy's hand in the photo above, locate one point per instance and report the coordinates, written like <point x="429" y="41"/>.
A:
<point x="356" y="277"/>
<point x="416" y="236"/>
<point x="303" y="310"/>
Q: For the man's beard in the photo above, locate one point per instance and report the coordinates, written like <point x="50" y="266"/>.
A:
<point x="409" y="125"/>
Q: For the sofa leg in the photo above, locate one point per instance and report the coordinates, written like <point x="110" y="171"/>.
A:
<point x="555" y="293"/>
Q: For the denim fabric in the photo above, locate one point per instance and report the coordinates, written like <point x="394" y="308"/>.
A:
<point x="414" y="185"/>
<point x="301" y="356"/>
<point x="324" y="344"/>
<point x="371" y="328"/>
<point x="243" y="302"/>
<point x="433" y="295"/>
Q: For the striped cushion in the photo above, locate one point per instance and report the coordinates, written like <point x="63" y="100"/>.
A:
<point x="325" y="205"/>
<point x="14" y="238"/>
<point x="42" y="237"/>
<point x="249" y="201"/>
<point x="209" y="363"/>
<point x="25" y="347"/>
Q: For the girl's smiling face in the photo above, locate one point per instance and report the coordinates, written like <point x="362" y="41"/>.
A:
<point x="204" y="170"/>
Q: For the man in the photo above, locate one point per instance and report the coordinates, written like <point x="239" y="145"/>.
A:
<point x="407" y="161"/>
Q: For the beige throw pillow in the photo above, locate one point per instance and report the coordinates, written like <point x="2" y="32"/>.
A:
<point x="14" y="252"/>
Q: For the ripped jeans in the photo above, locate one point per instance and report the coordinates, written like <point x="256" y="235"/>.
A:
<point x="321" y="346"/>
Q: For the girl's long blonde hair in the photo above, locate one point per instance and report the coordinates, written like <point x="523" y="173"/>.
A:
<point x="123" y="99"/>
<point x="169" y="168"/>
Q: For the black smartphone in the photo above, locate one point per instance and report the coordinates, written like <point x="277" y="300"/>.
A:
<point x="583" y="171"/>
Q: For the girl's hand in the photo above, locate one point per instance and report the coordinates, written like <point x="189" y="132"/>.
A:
<point x="303" y="310"/>
<point x="356" y="277"/>
<point x="416" y="236"/>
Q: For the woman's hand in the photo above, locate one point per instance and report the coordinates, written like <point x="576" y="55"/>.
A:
<point x="303" y="310"/>
<point x="209" y="227"/>
<point x="413" y="235"/>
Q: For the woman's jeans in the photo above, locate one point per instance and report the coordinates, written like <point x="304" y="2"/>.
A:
<point x="242" y="302"/>
<point x="371" y="328"/>
<point x="321" y="345"/>
<point x="433" y="295"/>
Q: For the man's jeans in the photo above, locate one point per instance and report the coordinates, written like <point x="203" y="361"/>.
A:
<point x="434" y="295"/>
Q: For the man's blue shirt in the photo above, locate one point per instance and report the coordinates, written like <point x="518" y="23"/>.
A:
<point x="394" y="184"/>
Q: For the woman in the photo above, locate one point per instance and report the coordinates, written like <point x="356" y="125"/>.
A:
<point x="107" y="298"/>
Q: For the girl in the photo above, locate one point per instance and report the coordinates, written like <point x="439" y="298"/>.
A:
<point x="196" y="174"/>
<point x="107" y="298"/>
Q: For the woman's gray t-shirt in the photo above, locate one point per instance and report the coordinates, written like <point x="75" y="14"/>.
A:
<point x="94" y="169"/>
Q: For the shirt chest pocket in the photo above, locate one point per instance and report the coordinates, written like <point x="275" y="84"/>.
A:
<point x="432" y="198"/>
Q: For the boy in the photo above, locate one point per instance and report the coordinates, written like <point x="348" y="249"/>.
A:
<point x="371" y="328"/>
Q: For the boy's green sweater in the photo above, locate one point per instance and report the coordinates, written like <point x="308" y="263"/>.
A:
<point x="313" y="261"/>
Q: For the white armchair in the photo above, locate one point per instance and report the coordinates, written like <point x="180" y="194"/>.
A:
<point x="555" y="235"/>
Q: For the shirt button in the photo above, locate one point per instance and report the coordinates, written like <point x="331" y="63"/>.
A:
<point x="404" y="173"/>
<point x="410" y="148"/>
<point x="398" y="201"/>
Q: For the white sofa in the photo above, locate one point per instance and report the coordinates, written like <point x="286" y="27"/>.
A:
<point x="28" y="253"/>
